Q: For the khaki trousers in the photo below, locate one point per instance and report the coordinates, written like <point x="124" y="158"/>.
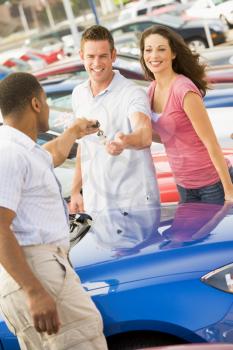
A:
<point x="81" y="323"/>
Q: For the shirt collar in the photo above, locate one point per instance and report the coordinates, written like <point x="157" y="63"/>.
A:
<point x="113" y="82"/>
<point x="17" y="136"/>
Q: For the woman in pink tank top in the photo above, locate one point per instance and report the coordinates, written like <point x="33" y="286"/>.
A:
<point x="180" y="120"/>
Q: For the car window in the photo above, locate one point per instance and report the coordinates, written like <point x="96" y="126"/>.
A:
<point x="142" y="12"/>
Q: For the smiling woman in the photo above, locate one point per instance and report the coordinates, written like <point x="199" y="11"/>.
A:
<point x="201" y="172"/>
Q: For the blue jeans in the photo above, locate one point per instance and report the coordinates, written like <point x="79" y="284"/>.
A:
<point x="213" y="194"/>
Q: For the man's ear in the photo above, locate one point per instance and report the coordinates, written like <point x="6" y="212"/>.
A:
<point x="81" y="55"/>
<point x="114" y="54"/>
<point x="35" y="103"/>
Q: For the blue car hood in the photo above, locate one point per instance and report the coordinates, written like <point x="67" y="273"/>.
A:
<point x="128" y="245"/>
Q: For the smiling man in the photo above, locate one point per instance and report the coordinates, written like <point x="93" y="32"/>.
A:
<point x="114" y="167"/>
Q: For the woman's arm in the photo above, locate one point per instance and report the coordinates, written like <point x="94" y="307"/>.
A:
<point x="196" y="112"/>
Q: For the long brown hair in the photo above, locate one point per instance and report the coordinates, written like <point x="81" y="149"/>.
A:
<point x="186" y="62"/>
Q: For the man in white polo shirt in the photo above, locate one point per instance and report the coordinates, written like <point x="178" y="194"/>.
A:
<point x="116" y="171"/>
<point x="41" y="297"/>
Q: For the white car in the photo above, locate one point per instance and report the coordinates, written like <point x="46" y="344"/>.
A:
<point x="205" y="9"/>
<point x="141" y="8"/>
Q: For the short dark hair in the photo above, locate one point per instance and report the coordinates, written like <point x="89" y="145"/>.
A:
<point x="97" y="33"/>
<point x="186" y="62"/>
<point x="17" y="91"/>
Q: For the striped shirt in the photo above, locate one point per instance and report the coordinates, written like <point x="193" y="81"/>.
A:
<point x="28" y="187"/>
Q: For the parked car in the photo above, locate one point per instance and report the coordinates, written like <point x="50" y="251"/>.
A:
<point x="193" y="31"/>
<point x="17" y="64"/>
<point x="175" y="9"/>
<point x="141" y="8"/>
<point x="205" y="9"/>
<point x="56" y="33"/>
<point x="217" y="56"/>
<point x="11" y="57"/>
<point x="51" y="49"/>
<point x="160" y="276"/>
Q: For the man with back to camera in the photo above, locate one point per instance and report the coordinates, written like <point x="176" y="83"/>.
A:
<point x="41" y="297"/>
<point x="121" y="172"/>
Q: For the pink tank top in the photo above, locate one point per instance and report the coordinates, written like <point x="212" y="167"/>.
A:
<point x="187" y="155"/>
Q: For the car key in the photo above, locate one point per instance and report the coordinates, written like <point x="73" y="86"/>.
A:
<point x="102" y="137"/>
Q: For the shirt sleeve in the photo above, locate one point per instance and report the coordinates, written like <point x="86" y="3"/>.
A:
<point x="12" y="175"/>
<point x="183" y="87"/>
<point x="138" y="101"/>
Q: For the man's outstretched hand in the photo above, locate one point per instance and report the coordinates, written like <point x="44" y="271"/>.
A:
<point x="83" y="127"/>
<point x="116" y="146"/>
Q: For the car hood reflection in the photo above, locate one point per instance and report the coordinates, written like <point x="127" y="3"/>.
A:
<point x="139" y="243"/>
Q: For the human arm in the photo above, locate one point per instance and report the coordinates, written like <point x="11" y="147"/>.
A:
<point x="76" y="202"/>
<point x="196" y="112"/>
<point x="41" y="304"/>
<point x="61" y="146"/>
<point x="139" y="138"/>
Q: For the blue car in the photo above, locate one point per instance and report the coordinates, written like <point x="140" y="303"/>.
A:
<point x="4" y="72"/>
<point x="158" y="276"/>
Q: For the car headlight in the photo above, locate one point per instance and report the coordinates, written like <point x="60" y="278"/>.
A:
<point x="221" y="278"/>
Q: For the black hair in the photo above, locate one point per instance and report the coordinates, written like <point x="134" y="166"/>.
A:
<point x="17" y="91"/>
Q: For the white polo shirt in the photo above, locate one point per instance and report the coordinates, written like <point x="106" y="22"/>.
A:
<point x="114" y="181"/>
<point x="29" y="187"/>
